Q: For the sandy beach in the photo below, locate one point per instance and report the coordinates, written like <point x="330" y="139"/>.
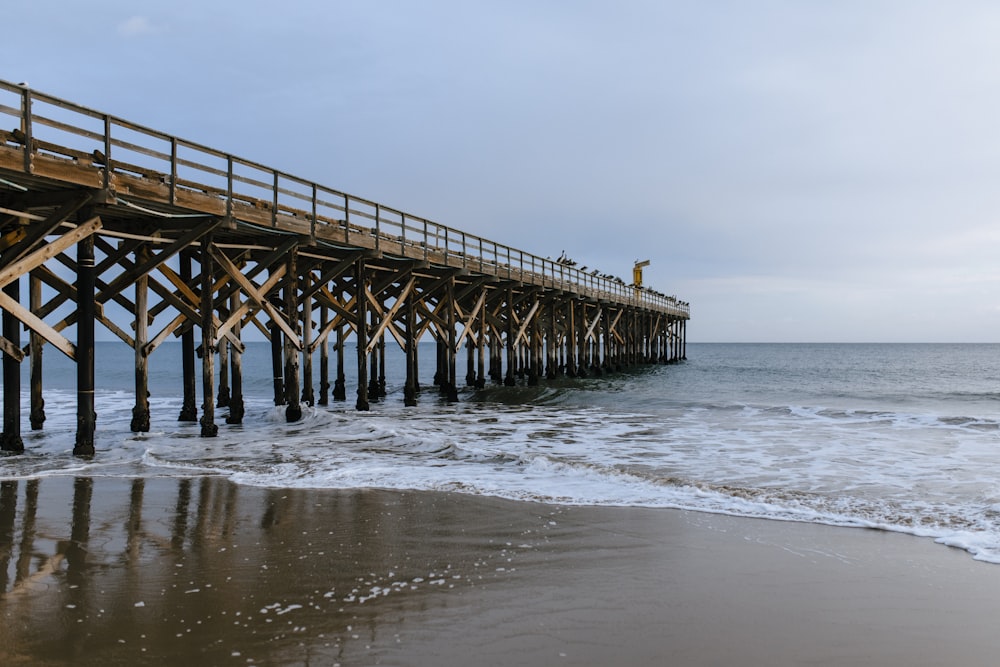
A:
<point x="200" y="571"/>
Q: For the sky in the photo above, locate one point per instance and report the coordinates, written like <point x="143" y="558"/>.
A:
<point x="799" y="171"/>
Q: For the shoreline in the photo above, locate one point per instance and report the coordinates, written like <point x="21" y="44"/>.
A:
<point x="200" y="570"/>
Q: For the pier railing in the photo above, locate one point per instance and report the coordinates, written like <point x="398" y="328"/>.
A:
<point x="143" y="165"/>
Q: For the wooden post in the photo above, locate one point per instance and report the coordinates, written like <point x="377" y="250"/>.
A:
<point x="416" y="358"/>
<point x="533" y="346"/>
<point x="293" y="409"/>
<point x="140" y="413"/>
<point x="324" y="357"/>
<point x="451" y="390"/>
<point x="278" y="382"/>
<point x="10" y="439"/>
<point x="361" y="286"/>
<point x="570" y="337"/>
<point x="373" y="363"/>
<point x="607" y="340"/>
<point x="508" y="379"/>
<point x="439" y="370"/>
<point x="684" y="326"/>
<point x="496" y="356"/>
<point x="86" y="314"/>
<point x="209" y="428"/>
<point x="470" y="362"/>
<point x="189" y="410"/>
<point x="308" y="397"/>
<point x="551" y="354"/>
<point x="381" y="365"/>
<point x="340" y="384"/>
<point x="236" y="406"/>
<point x="410" y="388"/>
<point x="481" y="348"/>
<point x="36" y="345"/>
<point x="224" y="396"/>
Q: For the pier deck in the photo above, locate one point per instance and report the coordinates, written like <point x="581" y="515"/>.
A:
<point x="181" y="240"/>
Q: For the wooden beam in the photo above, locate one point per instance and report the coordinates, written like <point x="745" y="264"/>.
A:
<point x="525" y="322"/>
<point x="29" y="320"/>
<point x="40" y="230"/>
<point x="467" y="326"/>
<point x="129" y="277"/>
<point x="387" y="318"/>
<point x="593" y="325"/>
<point x="15" y="270"/>
<point x="13" y="350"/>
<point x="252" y="294"/>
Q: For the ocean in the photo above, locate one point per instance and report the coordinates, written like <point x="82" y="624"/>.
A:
<point x="901" y="438"/>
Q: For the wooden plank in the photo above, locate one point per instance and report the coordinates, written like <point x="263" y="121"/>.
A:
<point x="11" y="349"/>
<point x="26" y="317"/>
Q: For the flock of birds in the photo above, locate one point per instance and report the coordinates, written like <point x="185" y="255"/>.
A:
<point x="566" y="261"/>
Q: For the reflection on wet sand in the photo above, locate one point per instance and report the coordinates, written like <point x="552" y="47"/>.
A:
<point x="202" y="571"/>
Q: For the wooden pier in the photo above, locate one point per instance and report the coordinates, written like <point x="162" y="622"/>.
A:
<point x="115" y="223"/>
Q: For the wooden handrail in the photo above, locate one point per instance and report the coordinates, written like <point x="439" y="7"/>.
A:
<point x="391" y="224"/>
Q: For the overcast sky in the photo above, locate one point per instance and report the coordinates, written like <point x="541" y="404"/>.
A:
<point x="798" y="171"/>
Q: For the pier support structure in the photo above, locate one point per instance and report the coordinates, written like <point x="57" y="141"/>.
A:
<point x="271" y="249"/>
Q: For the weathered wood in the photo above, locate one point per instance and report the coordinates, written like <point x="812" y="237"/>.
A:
<point x="16" y="269"/>
<point x="140" y="413"/>
<point x="236" y="405"/>
<point x="35" y="345"/>
<point x="308" y="396"/>
<point x="293" y="406"/>
<point x="209" y="428"/>
<point x="85" y="285"/>
<point x="10" y="438"/>
<point x="361" y="285"/>
<point x="340" y="383"/>
<point x="324" y="358"/>
<point x="410" y="387"/>
<point x="189" y="410"/>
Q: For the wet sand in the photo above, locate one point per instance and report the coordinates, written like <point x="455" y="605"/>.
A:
<point x="199" y="571"/>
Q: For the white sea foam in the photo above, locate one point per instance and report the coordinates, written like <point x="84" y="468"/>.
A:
<point x="759" y="441"/>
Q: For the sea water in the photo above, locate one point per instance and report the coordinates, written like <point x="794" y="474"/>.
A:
<point x="898" y="437"/>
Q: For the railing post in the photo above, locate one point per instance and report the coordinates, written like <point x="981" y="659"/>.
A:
<point x="347" y="219"/>
<point x="446" y="246"/>
<point x="173" y="170"/>
<point x="26" y="129"/>
<point x="378" y="228"/>
<point x="312" y="224"/>
<point x="464" y="253"/>
<point x="274" y="202"/>
<point x="425" y="240"/>
<point x="107" y="152"/>
<point x="229" y="186"/>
